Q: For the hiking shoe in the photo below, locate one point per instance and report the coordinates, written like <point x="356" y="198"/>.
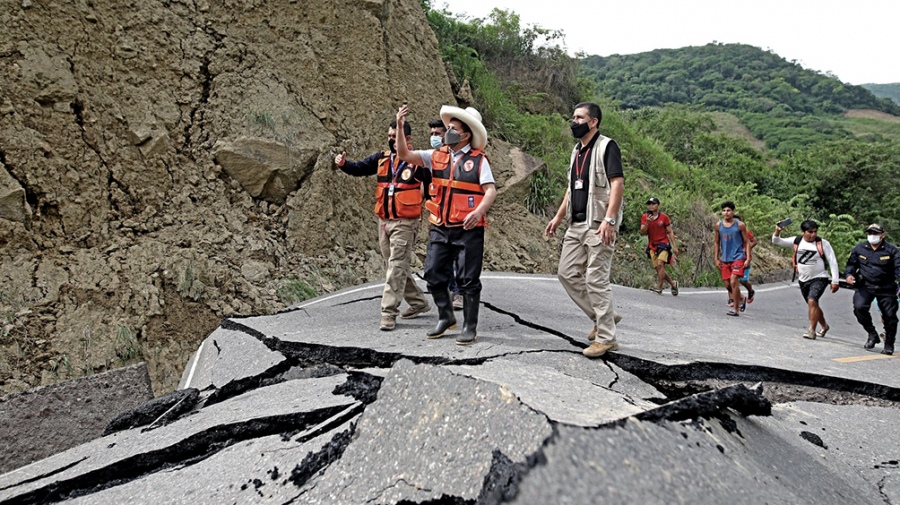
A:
<point x="731" y="313"/>
<point x="743" y="305"/>
<point x="821" y="333"/>
<point x="750" y="296"/>
<point x="412" y="312"/>
<point x="810" y="334"/>
<point x="730" y="303"/>
<point x="593" y="334"/>
<point x="597" y="349"/>
<point x="873" y="339"/>
<point x="656" y="290"/>
<point x="674" y="288"/>
<point x="458" y="302"/>
<point x="388" y="323"/>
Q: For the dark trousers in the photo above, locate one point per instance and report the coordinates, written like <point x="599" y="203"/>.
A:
<point x="465" y="246"/>
<point x="887" y="302"/>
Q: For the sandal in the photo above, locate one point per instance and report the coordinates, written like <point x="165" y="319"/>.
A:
<point x="731" y="313"/>
<point x="656" y="290"/>
<point x="750" y="296"/>
<point x="730" y="303"/>
<point x="821" y="333"/>
<point x="674" y="288"/>
<point x="743" y="305"/>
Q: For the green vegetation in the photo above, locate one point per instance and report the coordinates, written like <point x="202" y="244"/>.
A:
<point x="294" y="290"/>
<point x="890" y="91"/>
<point x="126" y="345"/>
<point x="690" y="124"/>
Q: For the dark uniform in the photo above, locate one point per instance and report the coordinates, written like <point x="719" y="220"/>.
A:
<point x="875" y="272"/>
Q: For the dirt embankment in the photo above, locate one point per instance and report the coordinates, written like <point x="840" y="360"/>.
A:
<point x="164" y="164"/>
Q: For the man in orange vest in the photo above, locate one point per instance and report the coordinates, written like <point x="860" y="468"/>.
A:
<point x="398" y="204"/>
<point x="461" y="192"/>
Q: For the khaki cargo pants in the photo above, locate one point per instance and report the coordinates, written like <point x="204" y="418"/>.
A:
<point x="584" y="267"/>
<point x="397" y="239"/>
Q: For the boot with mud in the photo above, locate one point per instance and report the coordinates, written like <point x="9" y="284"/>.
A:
<point x="470" y="313"/>
<point x="446" y="319"/>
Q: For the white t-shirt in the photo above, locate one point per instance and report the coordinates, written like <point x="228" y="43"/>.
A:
<point x="810" y="264"/>
<point x="485" y="176"/>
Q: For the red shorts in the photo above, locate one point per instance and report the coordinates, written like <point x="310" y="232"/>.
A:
<point x="736" y="267"/>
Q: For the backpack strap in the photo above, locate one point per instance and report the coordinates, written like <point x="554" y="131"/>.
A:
<point x="797" y="240"/>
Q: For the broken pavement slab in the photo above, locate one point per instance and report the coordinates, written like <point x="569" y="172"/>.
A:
<point x="257" y="470"/>
<point x="698" y="462"/>
<point x="430" y="434"/>
<point x="125" y="455"/>
<point x="229" y="356"/>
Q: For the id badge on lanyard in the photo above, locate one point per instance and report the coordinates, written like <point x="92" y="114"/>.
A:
<point x="579" y="184"/>
<point x="391" y="189"/>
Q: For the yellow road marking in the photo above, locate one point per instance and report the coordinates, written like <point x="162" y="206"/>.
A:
<point x="854" y="359"/>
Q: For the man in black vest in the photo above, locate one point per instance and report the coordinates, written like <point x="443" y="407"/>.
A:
<point x="461" y="192"/>
<point x="398" y="204"/>
<point x="873" y="268"/>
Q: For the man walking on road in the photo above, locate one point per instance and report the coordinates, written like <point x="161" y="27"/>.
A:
<point x="811" y="254"/>
<point x="732" y="253"/>
<point x="462" y="191"/>
<point x="873" y="268"/>
<point x="593" y="207"/>
<point x="398" y="205"/>
<point x="660" y="243"/>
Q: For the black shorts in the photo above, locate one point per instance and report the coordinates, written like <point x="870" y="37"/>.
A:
<point x="813" y="289"/>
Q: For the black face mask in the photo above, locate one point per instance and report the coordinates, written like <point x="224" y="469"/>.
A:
<point x="579" y="129"/>
<point x="392" y="145"/>
<point x="451" y="137"/>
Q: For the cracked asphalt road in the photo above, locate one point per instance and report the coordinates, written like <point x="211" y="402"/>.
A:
<point x="521" y="416"/>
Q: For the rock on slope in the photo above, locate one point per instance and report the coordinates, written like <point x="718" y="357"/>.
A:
<point x="164" y="164"/>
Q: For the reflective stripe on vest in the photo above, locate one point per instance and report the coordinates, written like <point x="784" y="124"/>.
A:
<point x="455" y="191"/>
<point x="405" y="201"/>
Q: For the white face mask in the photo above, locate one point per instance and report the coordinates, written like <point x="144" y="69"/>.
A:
<point x="873" y="239"/>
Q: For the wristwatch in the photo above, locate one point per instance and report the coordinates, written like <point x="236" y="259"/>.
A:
<point x="610" y="220"/>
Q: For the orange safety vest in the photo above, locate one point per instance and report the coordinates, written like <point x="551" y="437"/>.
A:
<point x="455" y="190"/>
<point x="398" y="195"/>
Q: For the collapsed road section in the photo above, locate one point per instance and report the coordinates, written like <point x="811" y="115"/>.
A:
<point x="313" y="406"/>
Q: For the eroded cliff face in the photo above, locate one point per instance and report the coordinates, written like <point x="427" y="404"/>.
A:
<point x="164" y="164"/>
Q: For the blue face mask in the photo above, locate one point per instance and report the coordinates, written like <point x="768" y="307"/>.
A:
<point x="437" y="141"/>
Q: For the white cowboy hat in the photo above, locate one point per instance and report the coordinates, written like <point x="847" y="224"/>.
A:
<point x="472" y="119"/>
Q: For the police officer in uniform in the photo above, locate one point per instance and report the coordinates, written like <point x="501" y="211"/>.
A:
<point x="398" y="204"/>
<point x="873" y="268"/>
<point x="461" y="192"/>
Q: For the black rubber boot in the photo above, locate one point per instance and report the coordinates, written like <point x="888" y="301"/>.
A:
<point x="470" y="313"/>
<point x="873" y="339"/>
<point x="888" y="346"/>
<point x="446" y="319"/>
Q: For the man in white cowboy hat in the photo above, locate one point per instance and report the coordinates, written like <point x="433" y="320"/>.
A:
<point x="593" y="206"/>
<point x="399" y="192"/>
<point x="461" y="192"/>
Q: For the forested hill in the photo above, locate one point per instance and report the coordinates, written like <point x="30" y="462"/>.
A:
<point x="891" y="90"/>
<point x="726" y="77"/>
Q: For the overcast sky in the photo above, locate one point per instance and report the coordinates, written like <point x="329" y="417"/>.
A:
<point x="857" y="41"/>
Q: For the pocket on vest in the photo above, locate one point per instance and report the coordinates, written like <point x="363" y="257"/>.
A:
<point x="462" y="205"/>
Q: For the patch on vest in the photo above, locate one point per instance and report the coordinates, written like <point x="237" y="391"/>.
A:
<point x="471" y="202"/>
<point x="469" y="166"/>
<point x="407" y="173"/>
<point x="885" y="258"/>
